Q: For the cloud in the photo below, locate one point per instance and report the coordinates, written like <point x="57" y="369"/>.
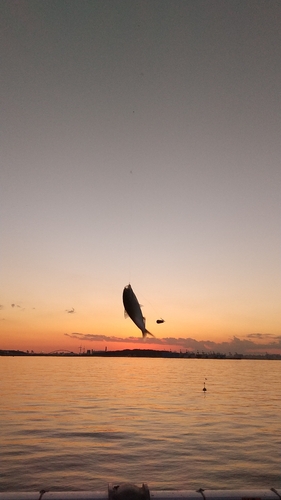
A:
<point x="70" y="311"/>
<point x="262" y="336"/>
<point x="98" y="338"/>
<point x="235" y="345"/>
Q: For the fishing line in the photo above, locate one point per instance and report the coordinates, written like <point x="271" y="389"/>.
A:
<point x="130" y="205"/>
<point x="132" y="218"/>
<point x="159" y="318"/>
<point x="130" y="221"/>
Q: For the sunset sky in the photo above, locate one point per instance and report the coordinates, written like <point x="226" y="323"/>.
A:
<point x="141" y="143"/>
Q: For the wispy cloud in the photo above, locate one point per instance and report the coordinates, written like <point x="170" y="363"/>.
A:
<point x="70" y="311"/>
<point x="266" y="342"/>
<point x="98" y="338"/>
<point x="18" y="306"/>
<point x="263" y="336"/>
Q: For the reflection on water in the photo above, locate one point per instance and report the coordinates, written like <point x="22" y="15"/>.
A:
<point x="79" y="423"/>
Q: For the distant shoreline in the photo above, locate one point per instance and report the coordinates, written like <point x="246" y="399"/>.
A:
<point x="142" y="353"/>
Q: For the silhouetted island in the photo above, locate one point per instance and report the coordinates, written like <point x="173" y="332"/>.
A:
<point x="142" y="353"/>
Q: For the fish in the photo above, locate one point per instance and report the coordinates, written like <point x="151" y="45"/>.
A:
<point x="133" y="310"/>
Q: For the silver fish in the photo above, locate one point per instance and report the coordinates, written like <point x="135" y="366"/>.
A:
<point x="132" y="309"/>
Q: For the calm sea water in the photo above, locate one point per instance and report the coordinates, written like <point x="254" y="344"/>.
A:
<point x="80" y="423"/>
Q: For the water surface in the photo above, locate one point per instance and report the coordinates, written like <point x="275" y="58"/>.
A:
<point x="80" y="423"/>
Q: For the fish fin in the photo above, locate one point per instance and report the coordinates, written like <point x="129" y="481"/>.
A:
<point x="146" y="332"/>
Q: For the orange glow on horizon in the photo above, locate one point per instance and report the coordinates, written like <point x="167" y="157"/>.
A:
<point x="23" y="329"/>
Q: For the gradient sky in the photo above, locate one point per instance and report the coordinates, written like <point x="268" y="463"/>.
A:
<point x="141" y="142"/>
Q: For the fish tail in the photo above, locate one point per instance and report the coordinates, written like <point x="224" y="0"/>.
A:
<point x="146" y="332"/>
